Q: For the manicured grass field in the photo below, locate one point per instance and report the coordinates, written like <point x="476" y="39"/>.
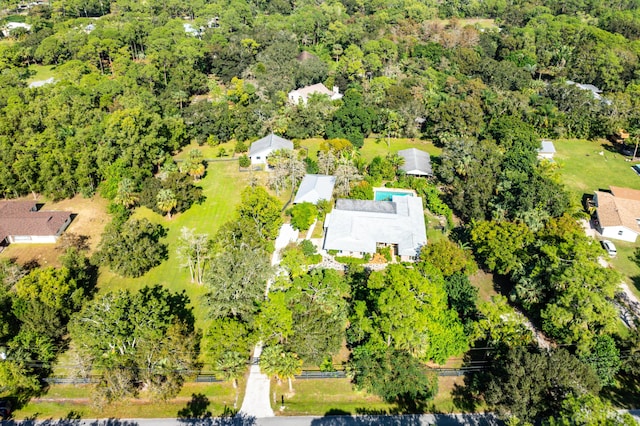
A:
<point x="586" y="166"/>
<point x="222" y="187"/>
<point x="41" y="72"/>
<point x="61" y="400"/>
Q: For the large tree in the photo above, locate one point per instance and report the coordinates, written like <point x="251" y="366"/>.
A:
<point x="405" y="310"/>
<point x="132" y="248"/>
<point x="143" y="340"/>
<point x="531" y="385"/>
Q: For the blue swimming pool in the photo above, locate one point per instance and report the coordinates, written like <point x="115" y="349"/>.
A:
<point x="386" y="194"/>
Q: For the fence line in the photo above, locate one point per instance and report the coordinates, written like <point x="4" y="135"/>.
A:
<point x="305" y="374"/>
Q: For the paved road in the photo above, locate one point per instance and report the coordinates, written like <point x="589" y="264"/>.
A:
<point x="240" y="420"/>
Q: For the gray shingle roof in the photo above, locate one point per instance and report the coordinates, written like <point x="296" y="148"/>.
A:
<point x="416" y="162"/>
<point x="357" y="225"/>
<point x="314" y="188"/>
<point x="271" y="142"/>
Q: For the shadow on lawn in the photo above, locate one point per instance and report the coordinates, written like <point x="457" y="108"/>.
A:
<point x="197" y="413"/>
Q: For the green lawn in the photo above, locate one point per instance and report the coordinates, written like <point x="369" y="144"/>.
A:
<point x="40" y="72"/>
<point x="376" y="146"/>
<point x="585" y="170"/>
<point x="61" y="400"/>
<point x="222" y="187"/>
<point x="323" y="396"/>
<point x="337" y="396"/>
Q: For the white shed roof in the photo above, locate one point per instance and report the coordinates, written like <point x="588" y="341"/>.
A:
<point x="547" y="147"/>
<point x="416" y="162"/>
<point x="271" y="142"/>
<point x="314" y="188"/>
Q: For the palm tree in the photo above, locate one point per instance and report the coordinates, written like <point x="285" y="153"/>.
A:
<point x="126" y="195"/>
<point x="278" y="363"/>
<point x="166" y="201"/>
<point x="231" y="366"/>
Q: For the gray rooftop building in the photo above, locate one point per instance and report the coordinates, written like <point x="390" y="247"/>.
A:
<point x="261" y="148"/>
<point x="314" y="188"/>
<point x="416" y="162"/>
<point x="355" y="227"/>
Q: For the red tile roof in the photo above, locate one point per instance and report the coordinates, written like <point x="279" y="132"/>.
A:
<point x="23" y="218"/>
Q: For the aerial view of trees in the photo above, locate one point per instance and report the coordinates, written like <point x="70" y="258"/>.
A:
<point x="124" y="101"/>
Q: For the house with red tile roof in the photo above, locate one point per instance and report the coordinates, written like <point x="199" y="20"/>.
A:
<point x="23" y="222"/>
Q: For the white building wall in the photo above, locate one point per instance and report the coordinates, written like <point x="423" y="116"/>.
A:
<point x="260" y="157"/>
<point x="17" y="239"/>
<point x="619" y="233"/>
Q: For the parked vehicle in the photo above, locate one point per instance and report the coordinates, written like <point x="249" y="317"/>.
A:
<point x="609" y="247"/>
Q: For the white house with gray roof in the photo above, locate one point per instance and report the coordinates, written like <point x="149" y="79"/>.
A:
<point x="416" y="162"/>
<point x="262" y="148"/>
<point x="355" y="227"/>
<point x="314" y="188"/>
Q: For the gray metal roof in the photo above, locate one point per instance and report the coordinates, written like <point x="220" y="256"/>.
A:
<point x="271" y="142"/>
<point x="314" y="188"/>
<point x="357" y="225"/>
<point x="416" y="162"/>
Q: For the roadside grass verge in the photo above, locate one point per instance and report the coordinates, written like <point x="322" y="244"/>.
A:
<point x="320" y="397"/>
<point x="62" y="400"/>
<point x="324" y="396"/>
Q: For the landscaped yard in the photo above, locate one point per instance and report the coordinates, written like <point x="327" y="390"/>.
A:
<point x="586" y="166"/>
<point x="222" y="187"/>
<point x="90" y="220"/>
<point x="62" y="400"/>
<point x="376" y="147"/>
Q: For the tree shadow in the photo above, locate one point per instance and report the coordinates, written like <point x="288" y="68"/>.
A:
<point x="197" y="408"/>
<point x="465" y="397"/>
<point x="72" y="419"/>
<point x="408" y="420"/>
<point x="197" y="413"/>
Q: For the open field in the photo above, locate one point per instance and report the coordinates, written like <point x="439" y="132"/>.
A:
<point x="222" y="187"/>
<point x="61" y="400"/>
<point x="41" y="72"/>
<point x="586" y="166"/>
<point x="90" y="220"/>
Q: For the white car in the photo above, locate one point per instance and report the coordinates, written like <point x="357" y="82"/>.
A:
<point x="609" y="247"/>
